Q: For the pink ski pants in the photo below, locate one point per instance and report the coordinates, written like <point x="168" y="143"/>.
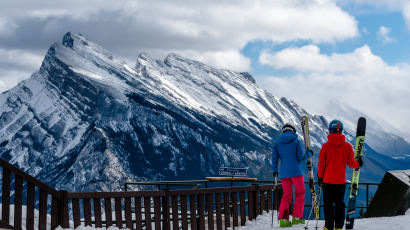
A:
<point x="287" y="197"/>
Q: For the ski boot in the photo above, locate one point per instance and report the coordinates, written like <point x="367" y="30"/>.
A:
<point x="296" y="221"/>
<point x="285" y="223"/>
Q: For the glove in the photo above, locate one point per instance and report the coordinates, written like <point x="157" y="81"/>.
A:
<point x="310" y="152"/>
<point x="360" y="162"/>
<point x="320" y="181"/>
<point x="275" y="174"/>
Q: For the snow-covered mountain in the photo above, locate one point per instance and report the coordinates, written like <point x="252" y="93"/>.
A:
<point x="87" y="121"/>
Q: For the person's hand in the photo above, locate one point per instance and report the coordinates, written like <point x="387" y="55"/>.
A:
<point x="360" y="161"/>
<point x="320" y="181"/>
<point x="275" y="174"/>
<point x="310" y="152"/>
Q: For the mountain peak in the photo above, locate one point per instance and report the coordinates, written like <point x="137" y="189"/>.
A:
<point x="143" y="55"/>
<point x="174" y="59"/>
<point x="77" y="51"/>
<point x="248" y="76"/>
<point x="175" y="56"/>
<point x="70" y="39"/>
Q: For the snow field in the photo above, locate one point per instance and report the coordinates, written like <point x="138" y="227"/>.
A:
<point x="264" y="221"/>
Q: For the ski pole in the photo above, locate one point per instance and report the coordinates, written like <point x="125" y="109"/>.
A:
<point x="310" y="214"/>
<point x="277" y="212"/>
<point x="276" y="185"/>
<point x="311" y="211"/>
<point x="320" y="195"/>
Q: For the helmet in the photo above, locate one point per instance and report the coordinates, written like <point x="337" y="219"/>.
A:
<point x="335" y="126"/>
<point x="288" y="127"/>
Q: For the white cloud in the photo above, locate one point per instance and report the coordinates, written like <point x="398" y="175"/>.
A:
<point x="7" y="27"/>
<point x="309" y="59"/>
<point x="234" y="23"/>
<point x="384" y="34"/>
<point x="20" y="58"/>
<point x="17" y="65"/>
<point x="10" y="78"/>
<point x="77" y="9"/>
<point x="231" y="22"/>
<point x="359" y="79"/>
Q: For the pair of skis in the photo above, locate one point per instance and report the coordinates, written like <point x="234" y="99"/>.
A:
<point x="359" y="144"/>
<point x="358" y="151"/>
<point x="315" y="205"/>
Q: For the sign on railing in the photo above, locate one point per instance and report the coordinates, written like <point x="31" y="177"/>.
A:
<point x="227" y="171"/>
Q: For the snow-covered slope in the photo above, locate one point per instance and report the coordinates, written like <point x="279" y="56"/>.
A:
<point x="87" y="121"/>
<point x="264" y="222"/>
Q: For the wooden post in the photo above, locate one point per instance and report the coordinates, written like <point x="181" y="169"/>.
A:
<point x="165" y="208"/>
<point x="97" y="212"/>
<point x="184" y="212"/>
<point x="6" y="196"/>
<point x="18" y="195"/>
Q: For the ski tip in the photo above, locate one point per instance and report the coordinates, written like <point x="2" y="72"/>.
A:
<point x="361" y="127"/>
<point x="362" y="119"/>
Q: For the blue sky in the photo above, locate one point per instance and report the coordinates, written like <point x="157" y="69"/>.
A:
<point x="314" y="52"/>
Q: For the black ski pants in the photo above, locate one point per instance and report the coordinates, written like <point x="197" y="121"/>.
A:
<point x="334" y="205"/>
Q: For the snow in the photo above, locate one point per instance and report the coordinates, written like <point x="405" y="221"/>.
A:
<point x="129" y="69"/>
<point x="264" y="221"/>
<point x="86" y="73"/>
<point x="88" y="228"/>
<point x="24" y="214"/>
<point x="207" y="90"/>
<point x="92" y="61"/>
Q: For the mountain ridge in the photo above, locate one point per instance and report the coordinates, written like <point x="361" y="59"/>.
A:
<point x="86" y="121"/>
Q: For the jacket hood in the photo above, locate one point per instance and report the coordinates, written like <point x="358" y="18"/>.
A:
<point x="336" y="138"/>
<point x="287" y="137"/>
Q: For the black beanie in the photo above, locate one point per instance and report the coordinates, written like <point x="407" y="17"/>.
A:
<point x="288" y="127"/>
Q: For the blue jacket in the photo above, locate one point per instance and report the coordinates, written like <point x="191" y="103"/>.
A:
<point x="288" y="149"/>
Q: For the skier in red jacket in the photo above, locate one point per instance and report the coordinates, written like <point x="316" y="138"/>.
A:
<point x="333" y="158"/>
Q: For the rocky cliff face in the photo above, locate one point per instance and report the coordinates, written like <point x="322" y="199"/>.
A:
<point x="87" y="121"/>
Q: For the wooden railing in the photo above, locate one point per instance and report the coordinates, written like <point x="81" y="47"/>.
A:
<point x="208" y="208"/>
<point x="13" y="175"/>
<point x="212" y="208"/>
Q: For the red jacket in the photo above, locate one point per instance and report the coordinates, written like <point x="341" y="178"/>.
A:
<point x="333" y="158"/>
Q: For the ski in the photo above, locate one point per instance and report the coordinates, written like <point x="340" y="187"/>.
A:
<point x="354" y="187"/>
<point x="306" y="138"/>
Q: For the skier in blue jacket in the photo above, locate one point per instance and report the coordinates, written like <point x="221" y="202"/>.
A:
<point x="288" y="150"/>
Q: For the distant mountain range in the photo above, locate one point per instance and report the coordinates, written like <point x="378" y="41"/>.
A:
<point x="86" y="121"/>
